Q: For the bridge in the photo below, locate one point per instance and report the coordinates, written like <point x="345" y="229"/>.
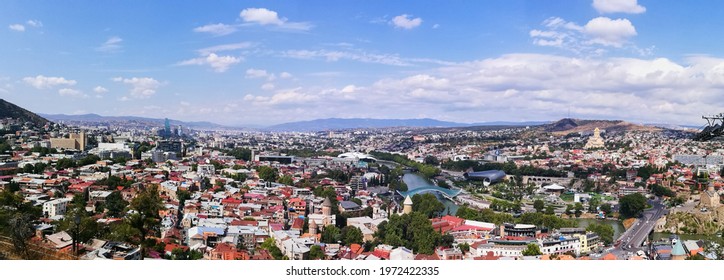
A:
<point x="447" y="193"/>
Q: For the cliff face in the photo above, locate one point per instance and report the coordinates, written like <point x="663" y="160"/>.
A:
<point x="694" y="222"/>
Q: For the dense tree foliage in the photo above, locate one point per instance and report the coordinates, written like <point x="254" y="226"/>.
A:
<point x="316" y="253"/>
<point x="605" y="231"/>
<point x="331" y="234"/>
<point x="509" y="168"/>
<point x="538" y="205"/>
<point x="632" y="205"/>
<point x="412" y="231"/>
<point x="659" y="190"/>
<point x="351" y="235"/>
<point x="426" y="170"/>
<point x="532" y="250"/>
<point x="145" y="218"/>
<point x="427" y="204"/>
<point x="267" y="173"/>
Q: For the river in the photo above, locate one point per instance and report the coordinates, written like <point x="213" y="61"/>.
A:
<point x="415" y="181"/>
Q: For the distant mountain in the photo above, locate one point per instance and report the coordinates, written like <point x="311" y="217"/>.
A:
<point x="567" y="125"/>
<point x="10" y="110"/>
<point x="94" y="118"/>
<point x="338" y="123"/>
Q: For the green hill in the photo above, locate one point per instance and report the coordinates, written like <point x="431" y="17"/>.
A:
<point x="10" y="110"/>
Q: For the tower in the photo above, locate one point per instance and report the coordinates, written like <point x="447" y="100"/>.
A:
<point x="407" y="206"/>
<point x="167" y="127"/>
<point x="327" y="207"/>
<point x="312" y="227"/>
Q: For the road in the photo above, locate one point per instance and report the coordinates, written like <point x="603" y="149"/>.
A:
<point x="634" y="237"/>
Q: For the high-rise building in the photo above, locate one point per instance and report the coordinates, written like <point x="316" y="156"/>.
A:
<point x="167" y="131"/>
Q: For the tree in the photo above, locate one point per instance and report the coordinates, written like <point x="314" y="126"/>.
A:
<point x="331" y="234"/>
<point x="532" y="250"/>
<point x="464" y="247"/>
<point x="579" y="209"/>
<point x="286" y="180"/>
<point x="632" y="205"/>
<point x="427" y="204"/>
<point x="550" y="210"/>
<point x="606" y="208"/>
<point x="266" y="173"/>
<point x="115" y="204"/>
<point x="660" y="190"/>
<point x="569" y="209"/>
<point x="351" y="235"/>
<point x="538" y="205"/>
<point x="316" y="253"/>
<point x="145" y="219"/>
<point x="447" y="240"/>
<point x="604" y="231"/>
<point x="696" y="257"/>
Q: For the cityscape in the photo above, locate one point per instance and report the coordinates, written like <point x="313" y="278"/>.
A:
<point x="260" y="131"/>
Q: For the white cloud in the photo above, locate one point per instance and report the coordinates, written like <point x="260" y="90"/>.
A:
<point x="387" y="59"/>
<point x="609" y="32"/>
<point x="436" y="26"/>
<point x="592" y="38"/>
<point x="285" y="75"/>
<point x="218" y="63"/>
<point x="618" y="6"/>
<point x="252" y="73"/>
<point x="100" y="89"/>
<point x="218" y="29"/>
<point x="43" y="82"/>
<point x="405" y="21"/>
<point x="349" y="89"/>
<point x="113" y="44"/>
<point x="267" y="86"/>
<point x="69" y="92"/>
<point x="17" y="27"/>
<point x="141" y="88"/>
<point x="34" y="23"/>
<point x="225" y="47"/>
<point x="262" y="16"/>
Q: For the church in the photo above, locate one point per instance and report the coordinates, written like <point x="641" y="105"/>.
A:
<point x="595" y="141"/>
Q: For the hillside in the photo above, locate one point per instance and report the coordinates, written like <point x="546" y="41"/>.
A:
<point x="566" y="126"/>
<point x="10" y="110"/>
<point x="96" y="119"/>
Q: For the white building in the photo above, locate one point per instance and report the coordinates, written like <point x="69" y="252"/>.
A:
<point x="401" y="253"/>
<point x="55" y="207"/>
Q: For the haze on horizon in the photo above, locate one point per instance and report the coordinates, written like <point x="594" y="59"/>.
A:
<point x="263" y="63"/>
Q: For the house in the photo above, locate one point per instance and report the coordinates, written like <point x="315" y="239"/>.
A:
<point x="401" y="253"/>
<point x="59" y="240"/>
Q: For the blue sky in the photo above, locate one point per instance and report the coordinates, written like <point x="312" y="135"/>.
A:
<point x="267" y="62"/>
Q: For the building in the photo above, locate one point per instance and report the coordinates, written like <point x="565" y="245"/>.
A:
<point x="170" y="146"/>
<point x="595" y="141"/>
<point x="55" y="207"/>
<point x="709" y="198"/>
<point x="407" y="208"/>
<point x="206" y="169"/>
<point x="76" y="141"/>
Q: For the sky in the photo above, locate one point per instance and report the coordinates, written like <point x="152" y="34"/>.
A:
<point x="261" y="63"/>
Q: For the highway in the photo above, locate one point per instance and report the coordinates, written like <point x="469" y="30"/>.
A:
<point x="634" y="237"/>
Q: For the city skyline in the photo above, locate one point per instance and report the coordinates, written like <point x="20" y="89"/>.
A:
<point x="265" y="63"/>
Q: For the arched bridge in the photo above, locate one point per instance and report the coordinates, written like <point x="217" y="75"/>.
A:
<point x="447" y="193"/>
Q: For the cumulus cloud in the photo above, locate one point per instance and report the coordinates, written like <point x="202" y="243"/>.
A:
<point x="592" y="38"/>
<point x="263" y="16"/>
<point x="610" y="32"/>
<point x="534" y="86"/>
<point x="285" y="75"/>
<point x="43" y="82"/>
<point x="17" y="27"/>
<point x="217" y="29"/>
<point x="113" y="44"/>
<point x="267" y="86"/>
<point x="618" y="6"/>
<point x="70" y="92"/>
<point x="141" y="88"/>
<point x="225" y="47"/>
<point x="406" y="21"/>
<point x="100" y="89"/>
<point x="219" y="63"/>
